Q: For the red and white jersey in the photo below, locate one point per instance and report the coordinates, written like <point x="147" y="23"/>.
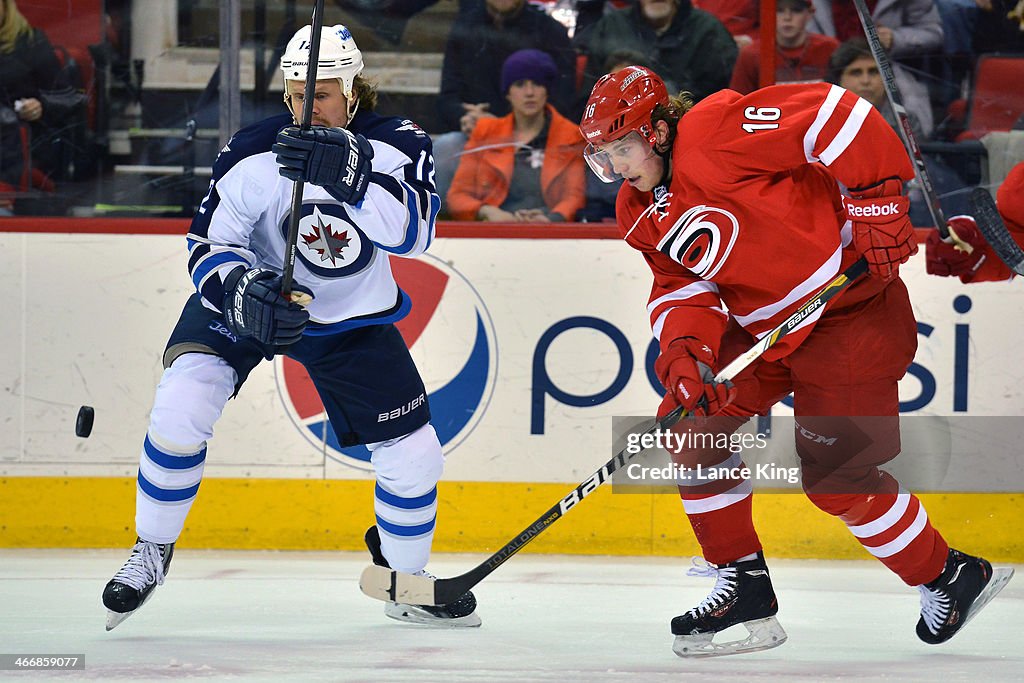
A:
<point x="752" y="223"/>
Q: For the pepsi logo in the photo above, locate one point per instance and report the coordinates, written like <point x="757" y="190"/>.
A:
<point x="451" y="336"/>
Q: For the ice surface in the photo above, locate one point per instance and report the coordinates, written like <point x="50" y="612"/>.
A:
<point x="300" y="616"/>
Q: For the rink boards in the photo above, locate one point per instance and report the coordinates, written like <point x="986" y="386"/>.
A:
<point x="528" y="348"/>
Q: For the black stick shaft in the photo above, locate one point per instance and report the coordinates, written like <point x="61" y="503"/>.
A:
<point x="892" y="92"/>
<point x="291" y="243"/>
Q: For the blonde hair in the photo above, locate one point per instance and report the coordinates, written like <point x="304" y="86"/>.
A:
<point x="13" y="27"/>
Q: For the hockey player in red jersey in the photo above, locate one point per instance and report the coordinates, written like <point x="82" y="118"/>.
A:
<point x="982" y="264"/>
<point x="735" y="204"/>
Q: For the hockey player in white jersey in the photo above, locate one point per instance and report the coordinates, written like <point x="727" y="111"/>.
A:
<point x="370" y="195"/>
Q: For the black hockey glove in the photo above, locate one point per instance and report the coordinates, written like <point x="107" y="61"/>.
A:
<point x="334" y="158"/>
<point x="253" y="307"/>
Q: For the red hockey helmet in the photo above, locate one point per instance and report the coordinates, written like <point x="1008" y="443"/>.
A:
<point x="620" y="103"/>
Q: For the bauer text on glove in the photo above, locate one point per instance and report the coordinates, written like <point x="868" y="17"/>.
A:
<point x="334" y="158"/>
<point x="253" y="307"/>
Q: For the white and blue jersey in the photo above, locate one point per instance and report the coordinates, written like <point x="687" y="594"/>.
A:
<point x="343" y="250"/>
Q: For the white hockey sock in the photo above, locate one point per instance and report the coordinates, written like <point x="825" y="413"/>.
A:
<point x="405" y="497"/>
<point x="167" y="486"/>
<point x="189" y="400"/>
<point x="406" y="526"/>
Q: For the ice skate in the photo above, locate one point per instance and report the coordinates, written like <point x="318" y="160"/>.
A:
<point x="134" y="583"/>
<point x="742" y="595"/>
<point x="458" y="614"/>
<point x="964" y="587"/>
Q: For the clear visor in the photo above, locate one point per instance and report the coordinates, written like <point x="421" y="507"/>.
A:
<point x="619" y="159"/>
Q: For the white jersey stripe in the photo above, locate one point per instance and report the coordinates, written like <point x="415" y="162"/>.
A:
<point x="825" y="111"/>
<point x="801" y="292"/>
<point x="846" y="234"/>
<point x="659" y="324"/>
<point x="687" y="292"/>
<point x="847" y="133"/>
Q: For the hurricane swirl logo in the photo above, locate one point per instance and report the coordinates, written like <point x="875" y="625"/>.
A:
<point x="701" y="240"/>
<point x="330" y="244"/>
<point x="451" y="336"/>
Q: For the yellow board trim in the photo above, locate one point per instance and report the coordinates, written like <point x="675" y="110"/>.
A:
<point x="478" y="517"/>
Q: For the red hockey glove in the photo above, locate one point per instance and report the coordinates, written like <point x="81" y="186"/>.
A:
<point x="685" y="371"/>
<point x="881" y="230"/>
<point x="981" y="265"/>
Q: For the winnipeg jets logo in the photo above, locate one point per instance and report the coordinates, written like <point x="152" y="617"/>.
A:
<point x="330" y="244"/>
<point x="662" y="197"/>
<point x="326" y="242"/>
<point x="701" y="240"/>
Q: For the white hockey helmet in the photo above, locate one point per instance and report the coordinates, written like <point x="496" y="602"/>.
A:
<point x="339" y="57"/>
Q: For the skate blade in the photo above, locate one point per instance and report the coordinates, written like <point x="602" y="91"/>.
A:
<point x="764" y="634"/>
<point x="115" y="618"/>
<point x="412" y="614"/>
<point x="1000" y="577"/>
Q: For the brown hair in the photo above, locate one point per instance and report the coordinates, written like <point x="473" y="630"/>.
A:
<point x="365" y="91"/>
<point x="671" y="113"/>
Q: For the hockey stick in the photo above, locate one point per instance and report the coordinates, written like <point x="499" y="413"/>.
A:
<point x="992" y="228"/>
<point x="892" y="92"/>
<point x="291" y="245"/>
<point x="385" y="584"/>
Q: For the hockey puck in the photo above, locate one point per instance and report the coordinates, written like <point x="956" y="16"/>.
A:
<point x="83" y="425"/>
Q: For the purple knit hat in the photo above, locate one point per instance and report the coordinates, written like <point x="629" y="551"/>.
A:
<point x="534" y="65"/>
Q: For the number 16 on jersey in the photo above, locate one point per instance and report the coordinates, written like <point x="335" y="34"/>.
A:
<point x="762" y="115"/>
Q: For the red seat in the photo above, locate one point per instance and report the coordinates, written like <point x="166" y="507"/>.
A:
<point x="997" y="98"/>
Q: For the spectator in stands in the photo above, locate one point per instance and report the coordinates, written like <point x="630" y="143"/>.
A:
<point x="740" y="17"/>
<point x="853" y="67"/>
<point x="526" y="166"/>
<point x="29" y="75"/>
<point x="800" y="56"/>
<point x="683" y="44"/>
<point x="482" y="38"/>
<point x="908" y="30"/>
<point x="600" y="199"/>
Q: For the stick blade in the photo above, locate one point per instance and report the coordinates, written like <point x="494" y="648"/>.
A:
<point x="992" y="228"/>
<point x="381" y="583"/>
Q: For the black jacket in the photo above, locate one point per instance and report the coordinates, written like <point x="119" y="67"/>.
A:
<point x="477" y="48"/>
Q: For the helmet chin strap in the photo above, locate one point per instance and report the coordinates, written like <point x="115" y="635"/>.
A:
<point x="353" y="107"/>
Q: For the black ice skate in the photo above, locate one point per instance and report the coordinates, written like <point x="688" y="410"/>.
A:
<point x="964" y="587"/>
<point x="134" y="583"/>
<point x="458" y="614"/>
<point x="742" y="595"/>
